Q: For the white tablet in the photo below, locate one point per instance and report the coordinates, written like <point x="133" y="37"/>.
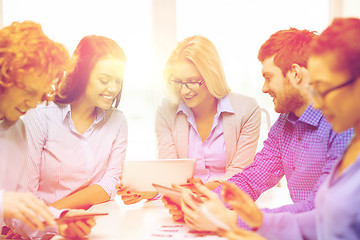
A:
<point x="140" y="175"/>
<point x="173" y="194"/>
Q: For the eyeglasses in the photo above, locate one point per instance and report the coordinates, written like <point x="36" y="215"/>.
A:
<point x="190" y="85"/>
<point x="322" y="95"/>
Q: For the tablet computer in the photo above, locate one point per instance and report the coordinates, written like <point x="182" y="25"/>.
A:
<point x="139" y="175"/>
<point x="82" y="216"/>
<point x="173" y="194"/>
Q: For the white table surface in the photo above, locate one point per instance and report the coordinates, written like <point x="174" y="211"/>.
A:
<point x="135" y="222"/>
<point x="139" y="221"/>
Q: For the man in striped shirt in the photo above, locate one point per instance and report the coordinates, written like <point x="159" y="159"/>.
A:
<point x="301" y="144"/>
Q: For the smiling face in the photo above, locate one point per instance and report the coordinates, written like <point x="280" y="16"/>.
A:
<point x="285" y="96"/>
<point x="105" y="82"/>
<point x="340" y="106"/>
<point x="185" y="71"/>
<point x="15" y="101"/>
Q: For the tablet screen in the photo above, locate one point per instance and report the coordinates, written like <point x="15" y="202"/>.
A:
<point x="140" y="175"/>
<point x="173" y="194"/>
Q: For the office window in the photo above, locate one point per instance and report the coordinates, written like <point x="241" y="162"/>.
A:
<point x="237" y="28"/>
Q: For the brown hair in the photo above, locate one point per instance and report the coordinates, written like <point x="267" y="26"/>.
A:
<point x="88" y="52"/>
<point x="342" y="38"/>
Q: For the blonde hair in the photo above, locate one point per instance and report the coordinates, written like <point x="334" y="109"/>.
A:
<point x="24" y="48"/>
<point x="203" y="54"/>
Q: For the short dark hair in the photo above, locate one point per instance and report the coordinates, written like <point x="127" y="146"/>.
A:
<point x="342" y="38"/>
<point x="87" y="53"/>
<point x="289" y="47"/>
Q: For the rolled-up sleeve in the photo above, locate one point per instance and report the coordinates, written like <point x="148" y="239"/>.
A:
<point x="117" y="157"/>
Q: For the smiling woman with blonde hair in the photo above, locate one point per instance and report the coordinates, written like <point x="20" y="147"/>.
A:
<point x="203" y="54"/>
<point x="202" y="118"/>
<point x="207" y="121"/>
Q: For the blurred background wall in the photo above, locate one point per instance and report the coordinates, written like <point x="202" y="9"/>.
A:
<point x="147" y="30"/>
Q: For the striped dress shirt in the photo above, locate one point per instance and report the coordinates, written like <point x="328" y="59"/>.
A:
<point x="210" y="154"/>
<point x="13" y="155"/>
<point x="303" y="149"/>
<point x="63" y="161"/>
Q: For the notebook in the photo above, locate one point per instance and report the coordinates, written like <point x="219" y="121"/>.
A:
<point x="139" y="175"/>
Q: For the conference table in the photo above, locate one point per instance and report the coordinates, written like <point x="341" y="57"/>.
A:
<point x="150" y="220"/>
<point x="146" y="220"/>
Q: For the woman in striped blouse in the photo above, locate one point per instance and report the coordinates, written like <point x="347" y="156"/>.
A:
<point x="78" y="142"/>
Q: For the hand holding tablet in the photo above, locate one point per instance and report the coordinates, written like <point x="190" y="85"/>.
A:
<point x="171" y="193"/>
<point x="175" y="196"/>
<point x="83" y="216"/>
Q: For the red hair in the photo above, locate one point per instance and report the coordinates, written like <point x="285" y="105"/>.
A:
<point x="288" y="47"/>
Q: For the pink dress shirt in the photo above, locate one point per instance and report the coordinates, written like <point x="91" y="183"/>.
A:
<point x="210" y="154"/>
<point x="63" y="161"/>
<point x="240" y="131"/>
<point x="13" y="148"/>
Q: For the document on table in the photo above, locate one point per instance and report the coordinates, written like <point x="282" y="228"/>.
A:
<point x="179" y="231"/>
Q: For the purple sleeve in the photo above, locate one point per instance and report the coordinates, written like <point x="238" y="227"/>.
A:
<point x="266" y="170"/>
<point x="288" y="226"/>
<point x="337" y="144"/>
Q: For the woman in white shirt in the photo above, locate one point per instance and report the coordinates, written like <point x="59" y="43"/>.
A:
<point x="78" y="142"/>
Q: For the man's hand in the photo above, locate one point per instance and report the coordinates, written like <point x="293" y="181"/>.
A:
<point x="237" y="234"/>
<point x="194" y="216"/>
<point x="244" y="206"/>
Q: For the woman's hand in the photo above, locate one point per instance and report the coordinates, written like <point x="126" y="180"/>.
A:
<point x="244" y="206"/>
<point x="130" y="197"/>
<point x="76" y="229"/>
<point x="27" y="208"/>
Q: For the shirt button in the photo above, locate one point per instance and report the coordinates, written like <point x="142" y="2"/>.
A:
<point x="293" y="168"/>
<point x="299" y="138"/>
<point x="290" y="196"/>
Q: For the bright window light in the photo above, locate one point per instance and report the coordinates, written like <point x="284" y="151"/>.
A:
<point x="237" y="28"/>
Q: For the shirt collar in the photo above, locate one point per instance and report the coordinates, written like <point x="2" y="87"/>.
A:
<point x="66" y="111"/>
<point x="224" y="105"/>
<point x="311" y="116"/>
<point x="6" y="124"/>
<point x="100" y="115"/>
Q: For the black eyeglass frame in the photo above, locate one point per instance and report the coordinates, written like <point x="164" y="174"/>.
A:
<point x="325" y="93"/>
<point x="180" y="84"/>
